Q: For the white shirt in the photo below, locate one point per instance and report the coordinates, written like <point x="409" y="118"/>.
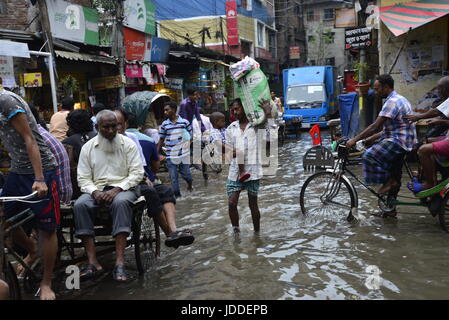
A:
<point x="444" y="109"/>
<point x="197" y="128"/>
<point x="98" y="169"/>
<point x="250" y="143"/>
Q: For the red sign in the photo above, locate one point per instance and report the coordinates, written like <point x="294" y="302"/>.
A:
<point x="135" y="44"/>
<point x="231" y="23"/>
<point x="295" y="53"/>
<point x="134" y="71"/>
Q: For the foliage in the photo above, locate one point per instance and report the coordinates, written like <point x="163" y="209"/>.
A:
<point x="69" y="85"/>
<point x="360" y="67"/>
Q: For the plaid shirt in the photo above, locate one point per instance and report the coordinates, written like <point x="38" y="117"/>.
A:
<point x="63" y="169"/>
<point x="396" y="128"/>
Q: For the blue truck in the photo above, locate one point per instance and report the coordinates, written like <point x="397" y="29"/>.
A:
<point x="309" y="94"/>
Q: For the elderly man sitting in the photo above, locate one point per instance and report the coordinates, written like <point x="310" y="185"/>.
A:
<point x="109" y="169"/>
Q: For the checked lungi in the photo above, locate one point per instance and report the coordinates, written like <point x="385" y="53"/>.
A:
<point x="383" y="161"/>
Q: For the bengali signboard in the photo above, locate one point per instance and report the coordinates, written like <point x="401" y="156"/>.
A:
<point x="174" y="83"/>
<point x="7" y="72"/>
<point x="111" y="82"/>
<point x="72" y="22"/>
<point x="14" y="49"/>
<point x="231" y="23"/>
<point x="295" y="53"/>
<point x="358" y="38"/>
<point x="140" y="15"/>
<point x="135" y="44"/>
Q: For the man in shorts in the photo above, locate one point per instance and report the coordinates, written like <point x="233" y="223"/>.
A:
<point x="243" y="141"/>
<point x="32" y="169"/>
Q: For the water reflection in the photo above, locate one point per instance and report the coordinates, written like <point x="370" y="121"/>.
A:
<point x="293" y="257"/>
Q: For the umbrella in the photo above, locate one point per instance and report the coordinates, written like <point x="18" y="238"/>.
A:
<point x="139" y="103"/>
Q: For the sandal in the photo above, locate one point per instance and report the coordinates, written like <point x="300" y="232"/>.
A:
<point x="179" y="238"/>
<point x="415" y="187"/>
<point x="244" y="177"/>
<point x="89" y="272"/>
<point x="119" y="272"/>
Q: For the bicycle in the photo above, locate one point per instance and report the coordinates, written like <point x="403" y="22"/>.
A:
<point x="7" y="272"/>
<point x="333" y="188"/>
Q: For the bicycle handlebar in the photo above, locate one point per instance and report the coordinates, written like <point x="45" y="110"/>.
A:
<point x="18" y="198"/>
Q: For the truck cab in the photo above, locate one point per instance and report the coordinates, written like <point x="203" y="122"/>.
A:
<point x="309" y="94"/>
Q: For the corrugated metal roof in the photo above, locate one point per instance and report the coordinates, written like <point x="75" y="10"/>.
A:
<point x="84" y="57"/>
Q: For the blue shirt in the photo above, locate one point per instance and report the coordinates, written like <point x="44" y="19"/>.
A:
<point x="172" y="133"/>
<point x="150" y="153"/>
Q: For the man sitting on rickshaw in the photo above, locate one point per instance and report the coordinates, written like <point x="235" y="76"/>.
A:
<point x="382" y="163"/>
<point x="109" y="170"/>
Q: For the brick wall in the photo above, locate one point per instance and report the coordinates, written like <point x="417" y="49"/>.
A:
<point x="16" y="14"/>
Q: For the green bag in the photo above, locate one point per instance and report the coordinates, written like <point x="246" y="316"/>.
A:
<point x="252" y="88"/>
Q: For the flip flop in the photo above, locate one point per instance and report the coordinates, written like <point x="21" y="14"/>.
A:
<point x="119" y="272"/>
<point x="415" y="187"/>
<point x="179" y="238"/>
<point x="89" y="272"/>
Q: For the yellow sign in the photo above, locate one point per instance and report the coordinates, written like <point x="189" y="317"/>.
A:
<point x="106" y="83"/>
<point x="32" y="80"/>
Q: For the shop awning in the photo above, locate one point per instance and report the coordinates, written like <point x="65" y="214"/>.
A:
<point x="84" y="57"/>
<point x="402" y="17"/>
<point x="213" y="61"/>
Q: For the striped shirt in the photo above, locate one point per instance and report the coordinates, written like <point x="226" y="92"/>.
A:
<point x="63" y="170"/>
<point x="396" y="128"/>
<point x="173" y="133"/>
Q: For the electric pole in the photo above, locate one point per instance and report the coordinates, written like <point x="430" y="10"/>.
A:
<point x="118" y="49"/>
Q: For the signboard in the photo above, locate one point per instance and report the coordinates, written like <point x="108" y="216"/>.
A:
<point x="134" y="71"/>
<point x="32" y="80"/>
<point x="140" y="15"/>
<point x="14" y="49"/>
<point x="7" y="72"/>
<point x="358" y="38"/>
<point x="159" y="49"/>
<point x="345" y="18"/>
<point x="295" y="53"/>
<point x="72" y="22"/>
<point x="174" y="83"/>
<point x="231" y="23"/>
<point x="135" y="44"/>
<point x="106" y="83"/>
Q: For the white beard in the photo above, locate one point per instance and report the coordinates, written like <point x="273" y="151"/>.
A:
<point x="108" y="146"/>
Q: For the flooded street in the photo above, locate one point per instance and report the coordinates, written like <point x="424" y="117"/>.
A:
<point x="292" y="257"/>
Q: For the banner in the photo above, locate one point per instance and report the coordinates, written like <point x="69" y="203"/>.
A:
<point x="294" y="53"/>
<point x="72" y="22"/>
<point x="32" y="80"/>
<point x="159" y="49"/>
<point x="106" y="83"/>
<point x="7" y="72"/>
<point x="140" y="15"/>
<point x="231" y="23"/>
<point x="134" y="71"/>
<point x="135" y="44"/>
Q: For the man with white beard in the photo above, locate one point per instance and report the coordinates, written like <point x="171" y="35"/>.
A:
<point x="109" y="169"/>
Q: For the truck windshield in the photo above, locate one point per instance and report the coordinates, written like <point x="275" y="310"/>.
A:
<point x="305" y="94"/>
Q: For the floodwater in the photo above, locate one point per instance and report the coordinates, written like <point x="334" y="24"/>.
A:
<point x="292" y="257"/>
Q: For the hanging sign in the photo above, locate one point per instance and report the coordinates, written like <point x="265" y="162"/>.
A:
<point x="231" y="23"/>
<point x="358" y="38"/>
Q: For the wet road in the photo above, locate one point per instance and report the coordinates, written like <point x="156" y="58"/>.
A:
<point x="293" y="257"/>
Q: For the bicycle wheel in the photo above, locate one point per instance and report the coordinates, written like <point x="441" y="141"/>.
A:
<point x="146" y="241"/>
<point x="443" y="215"/>
<point x="13" y="283"/>
<point x="322" y="195"/>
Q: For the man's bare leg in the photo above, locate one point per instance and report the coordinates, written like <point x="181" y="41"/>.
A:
<point x="425" y="154"/>
<point x="21" y="239"/>
<point x="49" y="243"/>
<point x="89" y="245"/>
<point x="255" y="213"/>
<point x="233" y="211"/>
<point x="162" y="222"/>
<point x="170" y="216"/>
